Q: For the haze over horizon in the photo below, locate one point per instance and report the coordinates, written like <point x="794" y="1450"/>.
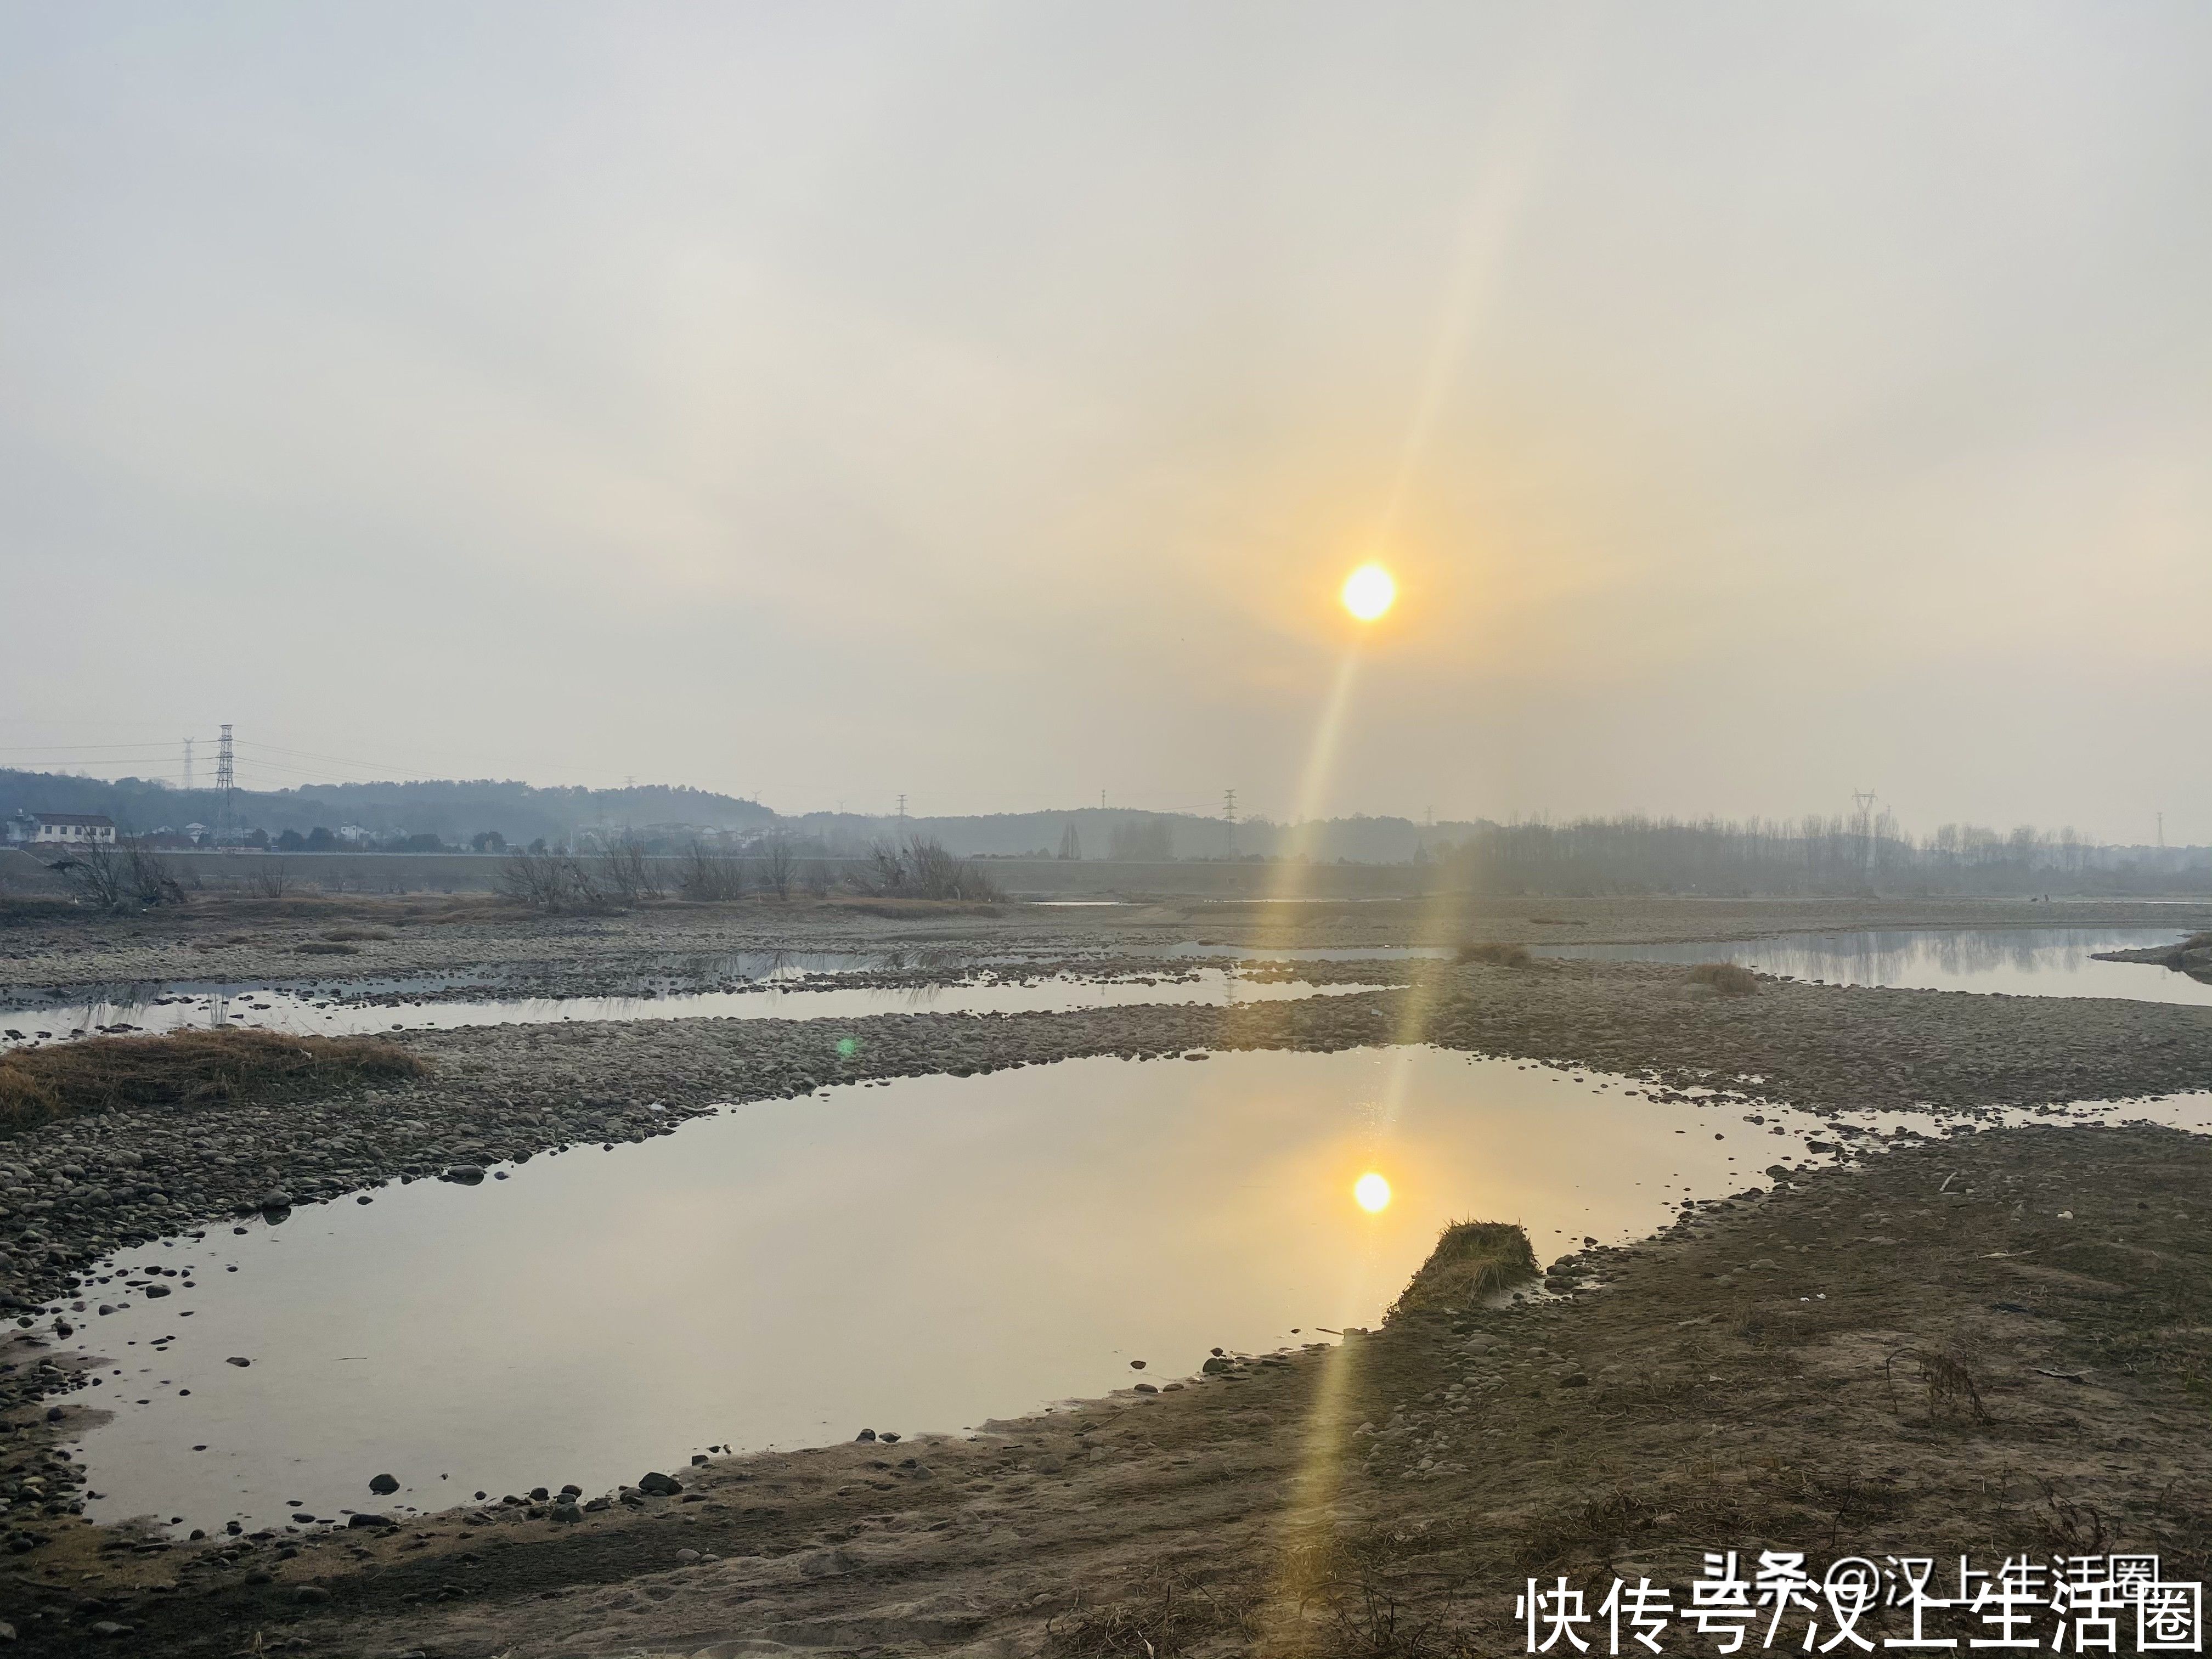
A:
<point x="986" y="402"/>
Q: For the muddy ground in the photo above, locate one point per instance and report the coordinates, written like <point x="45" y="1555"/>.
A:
<point x="1250" y="1510"/>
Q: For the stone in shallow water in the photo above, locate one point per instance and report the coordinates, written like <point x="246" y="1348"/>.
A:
<point x="384" y="1485"/>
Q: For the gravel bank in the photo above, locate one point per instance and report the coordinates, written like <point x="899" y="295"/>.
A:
<point x="1758" y="1377"/>
<point x="72" y="1192"/>
<point x="252" y="941"/>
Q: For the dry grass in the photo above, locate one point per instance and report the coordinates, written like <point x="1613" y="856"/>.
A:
<point x="1725" y="977"/>
<point x="1164" y="1614"/>
<point x="189" y="1068"/>
<point x="1472" y="1261"/>
<point x="1498" y="956"/>
<point x="1950" y="1385"/>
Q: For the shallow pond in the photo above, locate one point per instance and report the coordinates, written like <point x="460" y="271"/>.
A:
<point x="2039" y="961"/>
<point x="913" y="1255"/>
<point x="172" y="1008"/>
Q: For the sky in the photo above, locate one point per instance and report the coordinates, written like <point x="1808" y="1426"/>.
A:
<point x="984" y="401"/>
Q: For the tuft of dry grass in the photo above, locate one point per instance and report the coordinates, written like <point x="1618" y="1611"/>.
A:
<point x="1725" y="977"/>
<point x="1498" y="956"/>
<point x="1473" y="1259"/>
<point x="1165" y="1614"/>
<point x="1950" y="1385"/>
<point x="187" y="1068"/>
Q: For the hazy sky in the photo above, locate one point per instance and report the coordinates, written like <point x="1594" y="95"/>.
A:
<point x="984" y="401"/>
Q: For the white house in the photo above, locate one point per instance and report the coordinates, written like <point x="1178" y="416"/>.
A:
<point x="62" y="829"/>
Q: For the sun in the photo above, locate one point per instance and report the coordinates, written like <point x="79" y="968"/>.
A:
<point x="1371" y="1193"/>
<point x="1368" y="592"/>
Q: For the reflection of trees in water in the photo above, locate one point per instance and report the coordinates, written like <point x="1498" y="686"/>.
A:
<point x="1891" y="957"/>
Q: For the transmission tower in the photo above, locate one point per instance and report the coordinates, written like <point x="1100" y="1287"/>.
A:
<point x="188" y="762"/>
<point x="1229" y="817"/>
<point x="226" y="783"/>
<point x="902" y="817"/>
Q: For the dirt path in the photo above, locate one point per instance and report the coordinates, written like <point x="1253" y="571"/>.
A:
<point x="1758" y="1379"/>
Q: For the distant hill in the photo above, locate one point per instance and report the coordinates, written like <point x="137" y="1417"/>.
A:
<point x="451" y="810"/>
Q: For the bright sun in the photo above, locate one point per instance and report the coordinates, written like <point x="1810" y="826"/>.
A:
<point x="1371" y="1191"/>
<point x="1368" y="592"/>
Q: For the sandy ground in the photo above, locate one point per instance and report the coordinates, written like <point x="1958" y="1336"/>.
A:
<point x="1250" y="1511"/>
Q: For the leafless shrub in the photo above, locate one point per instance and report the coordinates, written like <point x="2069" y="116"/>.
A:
<point x="547" y="881"/>
<point x="711" y="876"/>
<point x="1378" y="1599"/>
<point x="268" y="877"/>
<point x="627" y="876"/>
<point x="923" y="869"/>
<point x="151" y="881"/>
<point x="94" y="873"/>
<point x="779" y="868"/>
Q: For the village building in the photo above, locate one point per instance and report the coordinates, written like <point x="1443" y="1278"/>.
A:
<point x="61" y="828"/>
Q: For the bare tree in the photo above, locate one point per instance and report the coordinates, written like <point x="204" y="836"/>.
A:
<point x="151" y="881"/>
<point x="547" y="881"/>
<point x="97" y="873"/>
<point x="779" y="871"/>
<point x="268" y="877"/>
<point x="627" y="875"/>
<point x="923" y="869"/>
<point x="711" y="876"/>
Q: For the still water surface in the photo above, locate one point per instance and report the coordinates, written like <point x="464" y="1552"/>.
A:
<point x="915" y="1255"/>
<point x="2039" y="962"/>
<point x="173" y="1008"/>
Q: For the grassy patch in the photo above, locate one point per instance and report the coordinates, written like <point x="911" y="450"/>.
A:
<point x="1473" y="1259"/>
<point x="1498" y="956"/>
<point x="189" y="1068"/>
<point x="1725" y="977"/>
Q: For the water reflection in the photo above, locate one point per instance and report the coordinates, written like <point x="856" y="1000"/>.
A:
<point x="308" y="1013"/>
<point x="913" y="1255"/>
<point x="2021" y="962"/>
